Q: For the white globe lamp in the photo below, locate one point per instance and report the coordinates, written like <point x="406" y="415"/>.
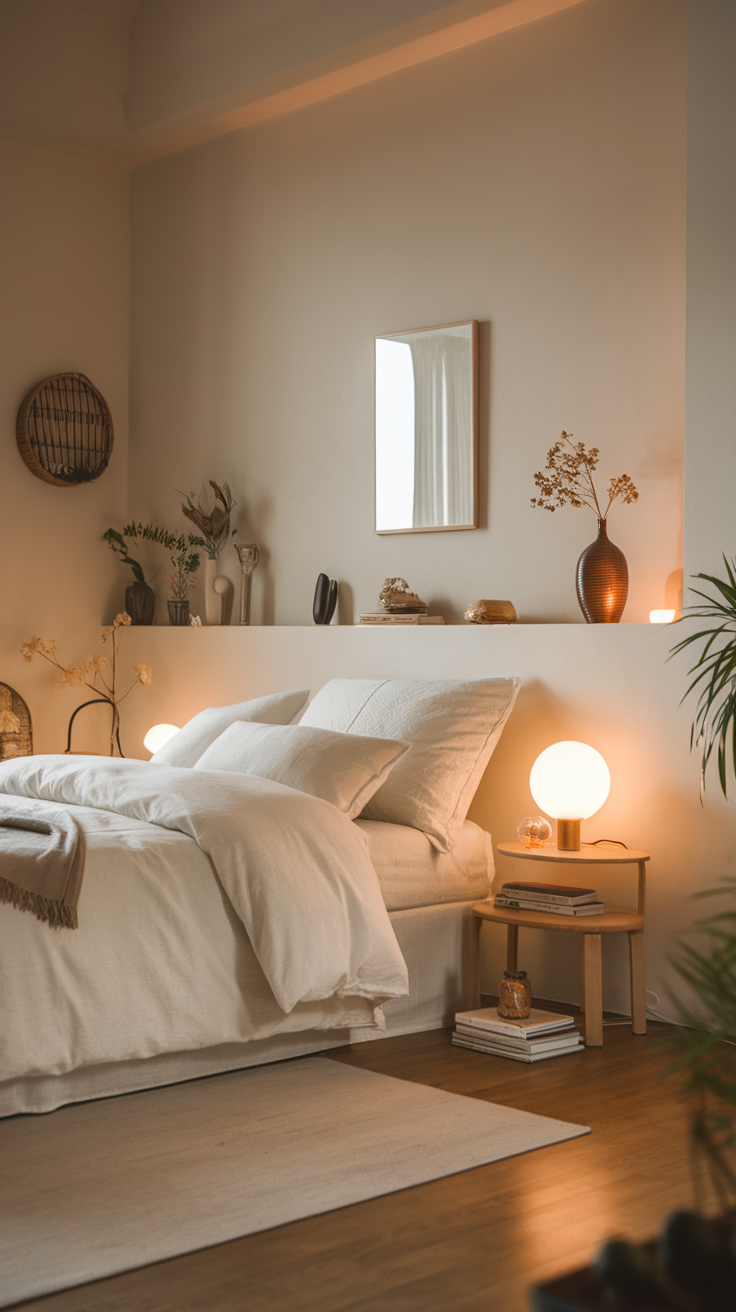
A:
<point x="569" y="781"/>
<point x="158" y="735"/>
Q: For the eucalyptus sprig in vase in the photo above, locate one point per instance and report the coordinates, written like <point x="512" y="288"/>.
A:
<point x="602" y="576"/>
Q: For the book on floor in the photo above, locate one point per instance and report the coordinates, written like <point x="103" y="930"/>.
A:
<point x="561" y="1039"/>
<point x="564" y="894"/>
<point x="547" y="908"/>
<point x="536" y="1024"/>
<point x="498" y="1050"/>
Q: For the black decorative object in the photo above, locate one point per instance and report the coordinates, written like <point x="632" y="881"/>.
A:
<point x="140" y="602"/>
<point x="114" y="732"/>
<point x="325" y="599"/>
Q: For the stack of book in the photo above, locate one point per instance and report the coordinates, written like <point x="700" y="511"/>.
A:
<point x="559" y="899"/>
<point x="389" y="617"/>
<point x="541" y="1035"/>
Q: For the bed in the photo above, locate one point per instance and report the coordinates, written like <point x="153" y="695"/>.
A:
<point x="228" y="918"/>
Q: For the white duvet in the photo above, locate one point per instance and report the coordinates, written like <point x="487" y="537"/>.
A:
<point x="214" y="908"/>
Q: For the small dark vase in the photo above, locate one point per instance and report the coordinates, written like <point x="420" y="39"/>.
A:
<point x="178" y="612"/>
<point x="140" y="603"/>
<point x="602" y="580"/>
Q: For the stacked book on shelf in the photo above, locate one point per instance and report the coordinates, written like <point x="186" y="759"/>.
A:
<point x="559" y="899"/>
<point x="389" y="617"/>
<point x="543" y="1034"/>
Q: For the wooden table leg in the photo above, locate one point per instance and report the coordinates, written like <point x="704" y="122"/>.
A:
<point x="474" y="965"/>
<point x="642" y="898"/>
<point x="593" y="990"/>
<point x="512" y="947"/>
<point x="638" y="994"/>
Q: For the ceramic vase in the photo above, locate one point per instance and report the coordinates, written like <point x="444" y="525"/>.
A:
<point x="140" y="602"/>
<point x="218" y="594"/>
<point x="602" y="580"/>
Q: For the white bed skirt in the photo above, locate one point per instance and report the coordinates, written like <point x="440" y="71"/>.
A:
<point x="435" y="943"/>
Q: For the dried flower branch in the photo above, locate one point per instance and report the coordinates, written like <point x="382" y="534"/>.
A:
<point x="91" y="673"/>
<point x="567" y="479"/>
<point x="211" y="514"/>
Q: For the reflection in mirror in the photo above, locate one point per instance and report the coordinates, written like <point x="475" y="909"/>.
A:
<point x="426" y="426"/>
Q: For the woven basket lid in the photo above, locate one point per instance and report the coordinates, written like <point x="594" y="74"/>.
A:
<point x="16" y="735"/>
<point x="64" y="430"/>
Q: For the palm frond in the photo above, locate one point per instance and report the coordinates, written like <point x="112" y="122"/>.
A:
<point x="713" y="675"/>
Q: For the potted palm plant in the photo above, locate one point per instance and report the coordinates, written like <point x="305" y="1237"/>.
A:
<point x="714" y="673"/>
<point x="692" y="1268"/>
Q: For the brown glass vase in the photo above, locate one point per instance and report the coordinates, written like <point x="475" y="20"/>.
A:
<point x="602" y="580"/>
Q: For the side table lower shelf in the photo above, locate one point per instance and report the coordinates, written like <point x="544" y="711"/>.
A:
<point x="611" y="921"/>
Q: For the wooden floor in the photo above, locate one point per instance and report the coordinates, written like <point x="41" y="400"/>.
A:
<point x="472" y="1241"/>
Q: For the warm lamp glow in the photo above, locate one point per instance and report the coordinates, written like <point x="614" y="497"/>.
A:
<point x="569" y="781"/>
<point x="158" y="735"/>
<point x="661" y="616"/>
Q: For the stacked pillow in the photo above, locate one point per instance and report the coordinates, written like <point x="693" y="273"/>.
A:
<point x="344" y="769"/>
<point x="453" y="726"/>
<point x="186" y="747"/>
<point x="351" y="746"/>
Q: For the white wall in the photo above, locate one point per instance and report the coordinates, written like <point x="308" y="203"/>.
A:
<point x="185" y="54"/>
<point x="64" y="71"/>
<point x="64" y="274"/>
<point x="711" y="285"/>
<point x="537" y="182"/>
<point x="534" y="181"/>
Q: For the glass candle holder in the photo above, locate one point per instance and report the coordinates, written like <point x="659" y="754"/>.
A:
<point x="534" y="831"/>
<point x="514" y="995"/>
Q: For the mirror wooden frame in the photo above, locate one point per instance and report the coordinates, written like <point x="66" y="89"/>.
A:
<point x="438" y="528"/>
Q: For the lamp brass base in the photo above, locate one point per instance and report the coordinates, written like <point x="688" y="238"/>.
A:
<point x="568" y="835"/>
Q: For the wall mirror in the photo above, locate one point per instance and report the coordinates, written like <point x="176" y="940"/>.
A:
<point x="427" y="429"/>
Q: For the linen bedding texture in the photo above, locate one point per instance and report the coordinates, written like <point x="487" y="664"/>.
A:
<point x="296" y="872"/>
<point x="186" y="747"/>
<point x="341" y="768"/>
<point x="41" y="862"/>
<point x="452" y="725"/>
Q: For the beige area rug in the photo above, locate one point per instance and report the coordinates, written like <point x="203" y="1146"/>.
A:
<point x="100" y="1187"/>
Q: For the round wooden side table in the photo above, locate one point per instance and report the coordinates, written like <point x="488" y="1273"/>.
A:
<point x="614" y="920"/>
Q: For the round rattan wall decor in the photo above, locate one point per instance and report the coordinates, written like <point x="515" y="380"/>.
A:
<point x="64" y="431"/>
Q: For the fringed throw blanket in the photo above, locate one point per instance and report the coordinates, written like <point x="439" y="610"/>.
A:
<point x="41" y="861"/>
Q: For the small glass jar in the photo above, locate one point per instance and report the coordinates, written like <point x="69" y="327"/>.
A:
<point x="534" y="831"/>
<point x="514" y="995"/>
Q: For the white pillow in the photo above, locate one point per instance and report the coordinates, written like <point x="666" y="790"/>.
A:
<point x="186" y="747"/>
<point x="453" y="727"/>
<point x="341" y="768"/>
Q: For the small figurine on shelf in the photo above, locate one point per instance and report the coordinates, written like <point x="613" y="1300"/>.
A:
<point x="396" y="597"/>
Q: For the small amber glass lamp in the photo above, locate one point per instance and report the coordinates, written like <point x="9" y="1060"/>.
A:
<point x="569" y="781"/>
<point x="158" y="735"/>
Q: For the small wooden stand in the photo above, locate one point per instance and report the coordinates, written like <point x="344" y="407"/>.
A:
<point x="613" y="920"/>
